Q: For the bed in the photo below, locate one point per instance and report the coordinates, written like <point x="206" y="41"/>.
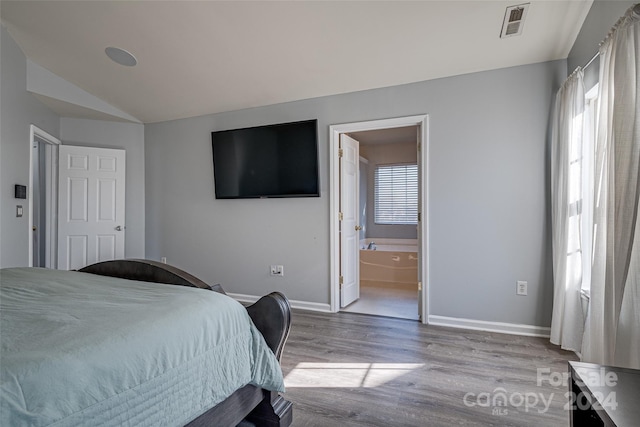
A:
<point x="118" y="343"/>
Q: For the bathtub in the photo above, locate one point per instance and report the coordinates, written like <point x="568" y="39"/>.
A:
<point x="393" y="261"/>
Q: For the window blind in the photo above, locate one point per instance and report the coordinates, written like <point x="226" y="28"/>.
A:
<point x="396" y="194"/>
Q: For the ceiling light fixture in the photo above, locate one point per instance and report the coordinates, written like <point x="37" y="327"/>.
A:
<point x="121" y="56"/>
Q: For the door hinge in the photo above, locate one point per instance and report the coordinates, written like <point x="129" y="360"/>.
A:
<point x="340" y="216"/>
<point x="341" y="281"/>
<point x="419" y="216"/>
<point x="340" y="152"/>
<point x="419" y="286"/>
<point x="419" y="146"/>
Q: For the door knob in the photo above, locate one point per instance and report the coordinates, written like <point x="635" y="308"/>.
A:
<point x="118" y="228"/>
<point x="358" y="227"/>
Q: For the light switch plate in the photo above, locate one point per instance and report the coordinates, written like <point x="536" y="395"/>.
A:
<point x="521" y="287"/>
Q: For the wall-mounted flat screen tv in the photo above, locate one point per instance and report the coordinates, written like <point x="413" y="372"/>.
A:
<point x="278" y="160"/>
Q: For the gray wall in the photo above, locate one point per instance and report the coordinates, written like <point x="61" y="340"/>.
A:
<point x="602" y="16"/>
<point x="381" y="154"/>
<point x="18" y="110"/>
<point x="129" y="137"/>
<point x="487" y="185"/>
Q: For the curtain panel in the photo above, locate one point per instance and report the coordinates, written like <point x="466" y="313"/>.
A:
<point x="595" y="202"/>
<point x="566" y="205"/>
<point x="612" y="329"/>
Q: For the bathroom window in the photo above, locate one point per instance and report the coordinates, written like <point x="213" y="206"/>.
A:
<point x="396" y="194"/>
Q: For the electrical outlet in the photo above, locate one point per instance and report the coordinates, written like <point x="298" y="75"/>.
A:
<point x="277" y="270"/>
<point x="521" y="287"/>
<point x="163" y="260"/>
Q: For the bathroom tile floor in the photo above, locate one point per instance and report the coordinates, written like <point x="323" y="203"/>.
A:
<point x="381" y="299"/>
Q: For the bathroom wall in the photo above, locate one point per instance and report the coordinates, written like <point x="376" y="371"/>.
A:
<point x="386" y="154"/>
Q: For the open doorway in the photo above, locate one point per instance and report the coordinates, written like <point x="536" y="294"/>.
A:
<point x="392" y="273"/>
<point x="43" y="198"/>
<point x="388" y="213"/>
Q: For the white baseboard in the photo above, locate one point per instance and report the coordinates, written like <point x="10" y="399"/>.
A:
<point x="452" y="322"/>
<point x="482" y="325"/>
<point x="303" y="305"/>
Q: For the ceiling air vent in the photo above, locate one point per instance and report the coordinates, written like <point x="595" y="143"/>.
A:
<point x="514" y="20"/>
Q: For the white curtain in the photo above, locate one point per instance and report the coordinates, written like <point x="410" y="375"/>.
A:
<point x="612" y="328"/>
<point x="566" y="208"/>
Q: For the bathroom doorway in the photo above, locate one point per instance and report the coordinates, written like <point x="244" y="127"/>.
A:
<point x="388" y="260"/>
<point x="392" y="257"/>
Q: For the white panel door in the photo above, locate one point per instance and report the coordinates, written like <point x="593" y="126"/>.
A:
<point x="349" y="227"/>
<point x="91" y="186"/>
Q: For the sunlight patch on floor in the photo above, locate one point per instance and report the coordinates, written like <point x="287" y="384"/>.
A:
<point x="346" y="375"/>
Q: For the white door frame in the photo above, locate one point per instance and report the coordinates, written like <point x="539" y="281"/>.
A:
<point x="37" y="135"/>
<point x="334" y="200"/>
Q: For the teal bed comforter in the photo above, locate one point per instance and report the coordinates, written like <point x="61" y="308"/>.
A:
<point x="83" y="349"/>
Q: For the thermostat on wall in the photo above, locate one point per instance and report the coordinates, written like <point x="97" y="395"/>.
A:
<point x="21" y="191"/>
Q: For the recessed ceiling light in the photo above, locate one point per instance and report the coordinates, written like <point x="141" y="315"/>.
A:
<point x="121" y="56"/>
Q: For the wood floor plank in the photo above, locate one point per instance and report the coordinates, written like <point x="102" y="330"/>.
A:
<point x="348" y="369"/>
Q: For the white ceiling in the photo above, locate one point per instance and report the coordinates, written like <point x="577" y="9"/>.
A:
<point x="203" y="57"/>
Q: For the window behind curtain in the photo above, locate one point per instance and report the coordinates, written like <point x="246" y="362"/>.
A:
<point x="588" y="176"/>
<point x="396" y="194"/>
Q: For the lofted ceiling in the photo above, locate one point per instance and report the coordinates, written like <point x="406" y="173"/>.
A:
<point x="203" y="57"/>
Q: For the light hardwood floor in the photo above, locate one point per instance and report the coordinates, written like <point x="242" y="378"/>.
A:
<point x="349" y="369"/>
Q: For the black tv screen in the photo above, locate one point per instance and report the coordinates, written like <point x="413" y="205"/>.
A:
<point x="266" y="161"/>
